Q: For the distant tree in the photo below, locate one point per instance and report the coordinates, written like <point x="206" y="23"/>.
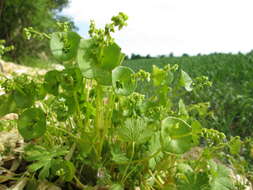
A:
<point x="135" y="56"/>
<point x="18" y="14"/>
<point x="171" y="55"/>
<point x="148" y="56"/>
<point x="161" y="56"/>
<point x="185" y="55"/>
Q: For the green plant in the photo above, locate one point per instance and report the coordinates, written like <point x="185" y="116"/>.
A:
<point x="110" y="136"/>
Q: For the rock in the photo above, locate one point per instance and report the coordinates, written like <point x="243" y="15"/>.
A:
<point x="9" y="68"/>
<point x="11" y="116"/>
<point x="1" y="68"/>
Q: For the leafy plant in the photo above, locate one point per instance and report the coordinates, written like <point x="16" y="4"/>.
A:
<point x="85" y="126"/>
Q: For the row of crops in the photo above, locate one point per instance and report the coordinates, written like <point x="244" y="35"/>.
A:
<point x="230" y="95"/>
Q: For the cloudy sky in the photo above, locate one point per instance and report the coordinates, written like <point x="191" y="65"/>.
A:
<point x="158" y="27"/>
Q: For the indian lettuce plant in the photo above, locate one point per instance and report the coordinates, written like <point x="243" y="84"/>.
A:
<point x="85" y="127"/>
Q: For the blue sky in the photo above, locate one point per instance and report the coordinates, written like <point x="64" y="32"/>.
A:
<point x="158" y="27"/>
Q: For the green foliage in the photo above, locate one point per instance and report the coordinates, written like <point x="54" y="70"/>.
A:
<point x="223" y="80"/>
<point x="85" y="125"/>
<point x="32" y="123"/>
<point x="185" y="81"/>
<point x="64" y="45"/>
<point x="49" y="160"/>
<point x="7" y="105"/>
<point x="134" y="131"/>
<point x="4" y="49"/>
<point x="220" y="177"/>
<point x="177" y="137"/>
<point x="123" y="81"/>
<point x="16" y="15"/>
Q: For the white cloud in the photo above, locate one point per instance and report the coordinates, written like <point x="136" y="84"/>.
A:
<point x="178" y="26"/>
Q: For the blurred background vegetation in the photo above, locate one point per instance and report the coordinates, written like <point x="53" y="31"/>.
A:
<point x="230" y="96"/>
<point x="42" y="15"/>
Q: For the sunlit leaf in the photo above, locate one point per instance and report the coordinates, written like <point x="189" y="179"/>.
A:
<point x="64" y="45"/>
<point x="235" y="145"/>
<point x="85" y="58"/>
<point x="158" y="76"/>
<point x="122" y="80"/>
<point x="176" y="135"/>
<point x="185" y="81"/>
<point x="116" y="187"/>
<point x="111" y="57"/>
<point x="182" y="108"/>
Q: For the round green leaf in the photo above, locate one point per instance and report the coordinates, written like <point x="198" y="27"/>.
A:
<point x="64" y="45"/>
<point x="64" y="169"/>
<point x="32" y="123"/>
<point x="122" y="80"/>
<point x="71" y="79"/>
<point x="85" y="58"/>
<point x="102" y="76"/>
<point x="111" y="57"/>
<point x="23" y="99"/>
<point x="176" y="135"/>
<point x="52" y="82"/>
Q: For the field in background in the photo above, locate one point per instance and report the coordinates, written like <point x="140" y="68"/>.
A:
<point x="231" y="95"/>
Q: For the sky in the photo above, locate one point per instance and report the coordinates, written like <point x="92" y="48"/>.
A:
<point x="161" y="27"/>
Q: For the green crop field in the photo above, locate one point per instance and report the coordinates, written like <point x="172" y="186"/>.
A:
<point x="230" y="95"/>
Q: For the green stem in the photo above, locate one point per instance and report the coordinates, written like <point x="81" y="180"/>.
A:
<point x="71" y="152"/>
<point x="107" y="120"/>
<point x="65" y="131"/>
<point x="175" y="118"/>
<point x="144" y="159"/>
<point x="125" y="172"/>
<point x="156" y="180"/>
<point x="99" y="120"/>
<point x="86" y="92"/>
<point x="41" y="34"/>
<point x="79" y="183"/>
<point x="78" y="111"/>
